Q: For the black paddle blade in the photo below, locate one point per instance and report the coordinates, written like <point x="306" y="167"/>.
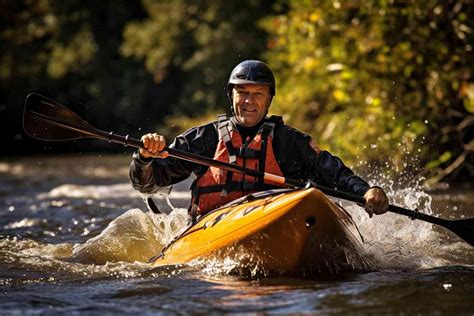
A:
<point x="464" y="228"/>
<point x="47" y="119"/>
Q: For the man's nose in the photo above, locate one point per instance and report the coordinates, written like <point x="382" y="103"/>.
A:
<point x="249" y="97"/>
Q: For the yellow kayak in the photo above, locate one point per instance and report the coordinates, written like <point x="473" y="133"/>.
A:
<point x="284" y="231"/>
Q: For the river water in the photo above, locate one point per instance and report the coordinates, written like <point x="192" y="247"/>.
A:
<point x="74" y="238"/>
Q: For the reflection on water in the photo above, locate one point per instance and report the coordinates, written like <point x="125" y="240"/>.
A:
<point x="74" y="237"/>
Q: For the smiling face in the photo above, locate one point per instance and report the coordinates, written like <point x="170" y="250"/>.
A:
<point x="250" y="102"/>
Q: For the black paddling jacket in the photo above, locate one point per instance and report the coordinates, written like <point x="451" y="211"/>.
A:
<point x="295" y="153"/>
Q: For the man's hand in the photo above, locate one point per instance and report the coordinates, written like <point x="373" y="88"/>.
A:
<point x="154" y="144"/>
<point x="376" y="201"/>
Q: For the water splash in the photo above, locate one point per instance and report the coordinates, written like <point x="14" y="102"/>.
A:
<point x="237" y="262"/>
<point x="119" y="251"/>
<point x="396" y="241"/>
<point x="130" y="237"/>
<point x="169" y="226"/>
<point x="133" y="236"/>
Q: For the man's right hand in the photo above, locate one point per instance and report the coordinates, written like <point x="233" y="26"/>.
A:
<point x="153" y="145"/>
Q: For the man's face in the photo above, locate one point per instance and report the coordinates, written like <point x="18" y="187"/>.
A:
<point x="251" y="102"/>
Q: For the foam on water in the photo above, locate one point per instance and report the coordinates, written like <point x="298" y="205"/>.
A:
<point x="110" y="191"/>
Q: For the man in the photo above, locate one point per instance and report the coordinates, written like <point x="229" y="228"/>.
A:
<point x="249" y="138"/>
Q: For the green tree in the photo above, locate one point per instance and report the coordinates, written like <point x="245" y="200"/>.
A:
<point x="382" y="80"/>
<point x="69" y="50"/>
<point x="202" y="40"/>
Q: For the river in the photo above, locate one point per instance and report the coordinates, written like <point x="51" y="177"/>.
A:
<point x="74" y="239"/>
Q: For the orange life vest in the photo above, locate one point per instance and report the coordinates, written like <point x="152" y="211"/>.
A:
<point x="216" y="186"/>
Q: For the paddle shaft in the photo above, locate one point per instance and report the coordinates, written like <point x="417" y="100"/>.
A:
<point x="58" y="115"/>
<point x="461" y="227"/>
<point x="183" y="155"/>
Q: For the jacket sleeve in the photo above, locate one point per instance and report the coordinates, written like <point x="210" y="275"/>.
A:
<point x="148" y="175"/>
<point x="329" y="170"/>
<point x="308" y="162"/>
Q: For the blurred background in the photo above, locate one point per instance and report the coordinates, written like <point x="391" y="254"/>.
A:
<point x="385" y="85"/>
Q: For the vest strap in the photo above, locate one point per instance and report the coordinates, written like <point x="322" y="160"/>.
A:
<point x="224" y="134"/>
<point x="223" y="128"/>
<point x="267" y="129"/>
<point x="245" y="152"/>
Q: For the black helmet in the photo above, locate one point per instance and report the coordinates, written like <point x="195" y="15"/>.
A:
<point x="251" y="72"/>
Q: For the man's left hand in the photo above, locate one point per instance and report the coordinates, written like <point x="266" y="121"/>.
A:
<point x="376" y="201"/>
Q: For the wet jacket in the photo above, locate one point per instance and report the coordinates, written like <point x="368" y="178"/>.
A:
<point x="296" y="153"/>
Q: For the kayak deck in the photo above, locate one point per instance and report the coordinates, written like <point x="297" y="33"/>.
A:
<point x="289" y="232"/>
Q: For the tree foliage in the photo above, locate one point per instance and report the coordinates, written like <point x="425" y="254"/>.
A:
<point x="201" y="39"/>
<point x="378" y="80"/>
<point x="69" y="50"/>
<point x="370" y="80"/>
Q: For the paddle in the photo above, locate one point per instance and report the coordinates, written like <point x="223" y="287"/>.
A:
<point x="47" y="119"/>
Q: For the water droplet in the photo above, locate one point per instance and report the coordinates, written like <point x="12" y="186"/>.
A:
<point x="447" y="286"/>
<point x="57" y="203"/>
